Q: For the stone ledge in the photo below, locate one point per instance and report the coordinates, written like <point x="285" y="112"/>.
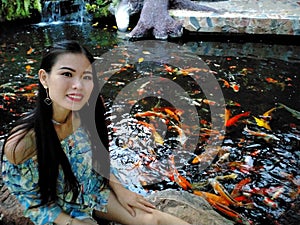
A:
<point x="244" y="16"/>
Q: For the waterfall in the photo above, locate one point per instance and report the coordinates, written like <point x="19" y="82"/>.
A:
<point x="55" y="11"/>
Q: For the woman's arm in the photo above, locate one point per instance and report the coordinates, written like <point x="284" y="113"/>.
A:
<point x="128" y="199"/>
<point x="20" y="175"/>
<point x="20" y="146"/>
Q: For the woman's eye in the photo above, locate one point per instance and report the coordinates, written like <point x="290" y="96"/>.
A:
<point x="67" y="74"/>
<point x="88" y="78"/>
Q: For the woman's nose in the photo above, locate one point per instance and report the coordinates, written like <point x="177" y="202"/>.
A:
<point x="77" y="84"/>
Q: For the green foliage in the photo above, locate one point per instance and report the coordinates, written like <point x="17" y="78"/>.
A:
<point x="18" y="9"/>
<point x="100" y="8"/>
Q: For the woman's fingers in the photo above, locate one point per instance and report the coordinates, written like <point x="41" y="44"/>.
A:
<point x="130" y="210"/>
<point x="143" y="204"/>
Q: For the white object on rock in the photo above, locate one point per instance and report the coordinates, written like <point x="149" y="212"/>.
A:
<point x="122" y="14"/>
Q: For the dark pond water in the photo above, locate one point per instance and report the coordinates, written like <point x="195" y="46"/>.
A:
<point x="161" y="110"/>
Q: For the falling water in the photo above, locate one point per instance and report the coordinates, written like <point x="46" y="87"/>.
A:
<point x="55" y="11"/>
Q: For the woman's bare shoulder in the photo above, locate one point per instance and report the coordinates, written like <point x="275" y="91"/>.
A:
<point x="20" y="146"/>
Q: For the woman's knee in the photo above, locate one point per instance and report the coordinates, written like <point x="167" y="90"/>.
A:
<point x="149" y="218"/>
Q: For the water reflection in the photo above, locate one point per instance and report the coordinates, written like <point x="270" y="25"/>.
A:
<point x="264" y="76"/>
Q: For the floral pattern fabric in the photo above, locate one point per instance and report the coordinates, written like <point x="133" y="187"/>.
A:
<point x="22" y="181"/>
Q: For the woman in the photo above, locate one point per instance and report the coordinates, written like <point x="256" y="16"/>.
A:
<point x="47" y="161"/>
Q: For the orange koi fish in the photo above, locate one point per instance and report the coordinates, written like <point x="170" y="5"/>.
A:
<point x="225" y="83"/>
<point x="163" y="109"/>
<point x="31" y="86"/>
<point x="267" y="116"/>
<point x="263" y="135"/>
<point x="28" y="69"/>
<point x="179" y="179"/>
<point x="233" y="120"/>
<point x="169" y="69"/>
<point x="29" y="95"/>
<point x="157" y="138"/>
<point x="229" y="212"/>
<point x="221" y="204"/>
<point x="220" y="189"/>
<point x="29" y="51"/>
<point x="191" y="70"/>
<point x="268" y="113"/>
<point x="271" y="80"/>
<point x="239" y="186"/>
<point x="181" y="135"/>
<point x="274" y="81"/>
<point x="207" y="156"/>
<point x="172" y="114"/>
<point x="226" y="115"/>
<point x="208" y="102"/>
<point x="212" y="197"/>
<point x="150" y="113"/>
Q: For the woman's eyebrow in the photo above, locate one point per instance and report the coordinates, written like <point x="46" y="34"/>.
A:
<point x="73" y="70"/>
<point x="67" y="68"/>
<point x="88" y="72"/>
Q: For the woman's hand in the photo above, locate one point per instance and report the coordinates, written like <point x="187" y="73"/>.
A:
<point x="128" y="199"/>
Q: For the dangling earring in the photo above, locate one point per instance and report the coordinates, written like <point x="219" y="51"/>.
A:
<point x="87" y="104"/>
<point x="47" y="100"/>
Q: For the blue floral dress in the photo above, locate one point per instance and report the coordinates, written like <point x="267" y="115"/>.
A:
<point x="22" y="181"/>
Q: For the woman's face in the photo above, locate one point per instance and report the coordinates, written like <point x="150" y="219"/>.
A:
<point x="70" y="81"/>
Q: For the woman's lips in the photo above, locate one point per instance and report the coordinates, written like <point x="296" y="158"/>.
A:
<point x="75" y="97"/>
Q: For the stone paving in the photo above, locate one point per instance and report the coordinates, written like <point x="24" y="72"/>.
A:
<point x="244" y="16"/>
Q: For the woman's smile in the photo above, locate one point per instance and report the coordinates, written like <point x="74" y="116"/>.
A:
<point x="75" y="97"/>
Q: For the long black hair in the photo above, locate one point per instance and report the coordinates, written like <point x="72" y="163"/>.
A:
<point x="50" y="154"/>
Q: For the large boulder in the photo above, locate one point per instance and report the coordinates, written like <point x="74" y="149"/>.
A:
<point x="187" y="206"/>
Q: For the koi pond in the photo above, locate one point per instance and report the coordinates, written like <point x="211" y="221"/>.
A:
<point x="219" y="119"/>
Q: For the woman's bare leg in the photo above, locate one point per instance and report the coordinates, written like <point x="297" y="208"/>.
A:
<point x="116" y="212"/>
